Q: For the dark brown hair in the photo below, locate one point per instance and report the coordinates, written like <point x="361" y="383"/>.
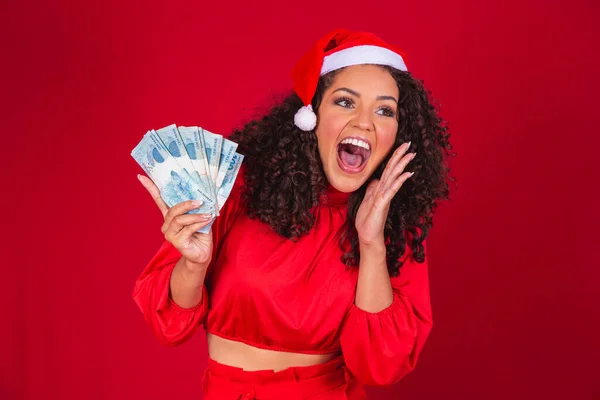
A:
<point x="284" y="175"/>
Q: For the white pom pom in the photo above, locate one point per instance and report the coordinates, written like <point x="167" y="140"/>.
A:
<point x="305" y="118"/>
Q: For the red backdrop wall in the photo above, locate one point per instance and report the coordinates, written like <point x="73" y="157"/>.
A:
<point x="513" y="257"/>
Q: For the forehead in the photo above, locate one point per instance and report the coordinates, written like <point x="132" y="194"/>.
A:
<point x="366" y="79"/>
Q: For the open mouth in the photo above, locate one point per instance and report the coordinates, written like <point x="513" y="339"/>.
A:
<point x="353" y="154"/>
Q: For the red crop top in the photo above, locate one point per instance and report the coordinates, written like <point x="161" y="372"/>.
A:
<point x="269" y="292"/>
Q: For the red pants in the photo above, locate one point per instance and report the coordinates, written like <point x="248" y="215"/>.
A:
<point x="331" y="380"/>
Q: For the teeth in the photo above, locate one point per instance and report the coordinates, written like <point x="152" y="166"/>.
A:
<point x="356" y="142"/>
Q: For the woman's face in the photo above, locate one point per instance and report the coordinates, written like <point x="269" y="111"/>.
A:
<point x="356" y="124"/>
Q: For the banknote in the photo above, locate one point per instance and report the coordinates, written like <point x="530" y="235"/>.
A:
<point x="227" y="151"/>
<point x="194" y="145"/>
<point x="213" y="143"/>
<point x="190" y="163"/>
<point x="229" y="179"/>
<point x="175" y="183"/>
<point x="172" y="140"/>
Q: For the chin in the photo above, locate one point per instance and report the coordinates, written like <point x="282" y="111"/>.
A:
<point x="344" y="182"/>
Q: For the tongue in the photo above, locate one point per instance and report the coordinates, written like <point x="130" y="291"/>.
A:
<point x="352" y="160"/>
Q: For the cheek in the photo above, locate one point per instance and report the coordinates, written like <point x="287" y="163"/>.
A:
<point x="385" y="139"/>
<point x="328" y="132"/>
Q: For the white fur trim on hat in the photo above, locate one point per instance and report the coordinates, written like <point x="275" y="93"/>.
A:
<point x="305" y="118"/>
<point x="362" y="55"/>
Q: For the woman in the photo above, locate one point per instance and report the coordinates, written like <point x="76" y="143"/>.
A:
<point x="313" y="280"/>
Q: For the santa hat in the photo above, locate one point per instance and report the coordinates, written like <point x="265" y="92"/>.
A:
<point x="338" y="49"/>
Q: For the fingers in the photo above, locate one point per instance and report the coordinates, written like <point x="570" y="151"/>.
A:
<point x="396" y="170"/>
<point x="399" y="169"/>
<point x="391" y="191"/>
<point x="179" y="210"/>
<point x="396" y="157"/>
<point x="371" y="187"/>
<point x="180" y="223"/>
<point x="155" y="193"/>
<point x="189" y="230"/>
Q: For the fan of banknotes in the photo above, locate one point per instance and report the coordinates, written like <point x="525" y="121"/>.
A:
<point x="190" y="163"/>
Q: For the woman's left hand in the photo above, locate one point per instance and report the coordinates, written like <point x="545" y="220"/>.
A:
<point x="373" y="211"/>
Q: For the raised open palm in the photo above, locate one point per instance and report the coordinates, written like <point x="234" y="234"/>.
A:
<point x="372" y="212"/>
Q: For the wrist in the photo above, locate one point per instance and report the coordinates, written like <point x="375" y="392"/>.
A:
<point x="193" y="268"/>
<point x="185" y="285"/>
<point x="373" y="252"/>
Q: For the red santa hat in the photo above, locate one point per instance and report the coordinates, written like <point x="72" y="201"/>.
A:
<point x="338" y="49"/>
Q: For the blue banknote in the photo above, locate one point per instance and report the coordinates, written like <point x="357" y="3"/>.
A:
<point x="196" y="150"/>
<point x="213" y="144"/>
<point x="233" y="168"/>
<point x="175" y="183"/>
<point x="190" y="163"/>
<point x="227" y="151"/>
<point x="172" y="140"/>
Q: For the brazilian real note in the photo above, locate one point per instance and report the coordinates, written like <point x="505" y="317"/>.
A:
<point x="174" y="182"/>
<point x="196" y="150"/>
<point x="213" y="144"/>
<point x="172" y="140"/>
<point x="228" y="149"/>
<point x="229" y="179"/>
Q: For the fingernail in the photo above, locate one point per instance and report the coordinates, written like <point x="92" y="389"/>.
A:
<point x="411" y="174"/>
<point x="408" y="147"/>
<point x="206" y="217"/>
<point x="196" y="203"/>
<point x="414" y="155"/>
<point x="139" y="176"/>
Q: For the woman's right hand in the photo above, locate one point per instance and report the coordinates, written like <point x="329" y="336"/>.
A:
<point x="180" y="229"/>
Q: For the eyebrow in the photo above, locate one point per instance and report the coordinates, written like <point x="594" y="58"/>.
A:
<point x="355" y="93"/>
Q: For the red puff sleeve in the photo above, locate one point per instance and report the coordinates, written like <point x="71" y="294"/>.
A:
<point x="171" y="323"/>
<point x="380" y="348"/>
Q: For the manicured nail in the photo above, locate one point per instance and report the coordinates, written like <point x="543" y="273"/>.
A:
<point x="196" y="203"/>
<point x="139" y="177"/>
<point x="411" y="174"/>
<point x="205" y="217"/>
<point x="408" y="147"/>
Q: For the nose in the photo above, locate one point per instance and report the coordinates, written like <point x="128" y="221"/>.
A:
<point x="363" y="119"/>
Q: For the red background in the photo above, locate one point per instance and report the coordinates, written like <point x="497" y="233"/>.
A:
<point x="513" y="257"/>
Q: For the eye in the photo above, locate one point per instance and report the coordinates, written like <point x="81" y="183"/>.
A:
<point x="345" y="102"/>
<point x="388" y="112"/>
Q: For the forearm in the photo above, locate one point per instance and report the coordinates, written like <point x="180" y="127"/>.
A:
<point x="186" y="283"/>
<point x="374" y="288"/>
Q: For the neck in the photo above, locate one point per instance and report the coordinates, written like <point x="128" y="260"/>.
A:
<point x="332" y="196"/>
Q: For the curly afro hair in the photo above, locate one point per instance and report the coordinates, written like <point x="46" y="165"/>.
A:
<point x="284" y="176"/>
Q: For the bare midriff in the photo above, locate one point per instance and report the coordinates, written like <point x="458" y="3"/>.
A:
<point x="250" y="358"/>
